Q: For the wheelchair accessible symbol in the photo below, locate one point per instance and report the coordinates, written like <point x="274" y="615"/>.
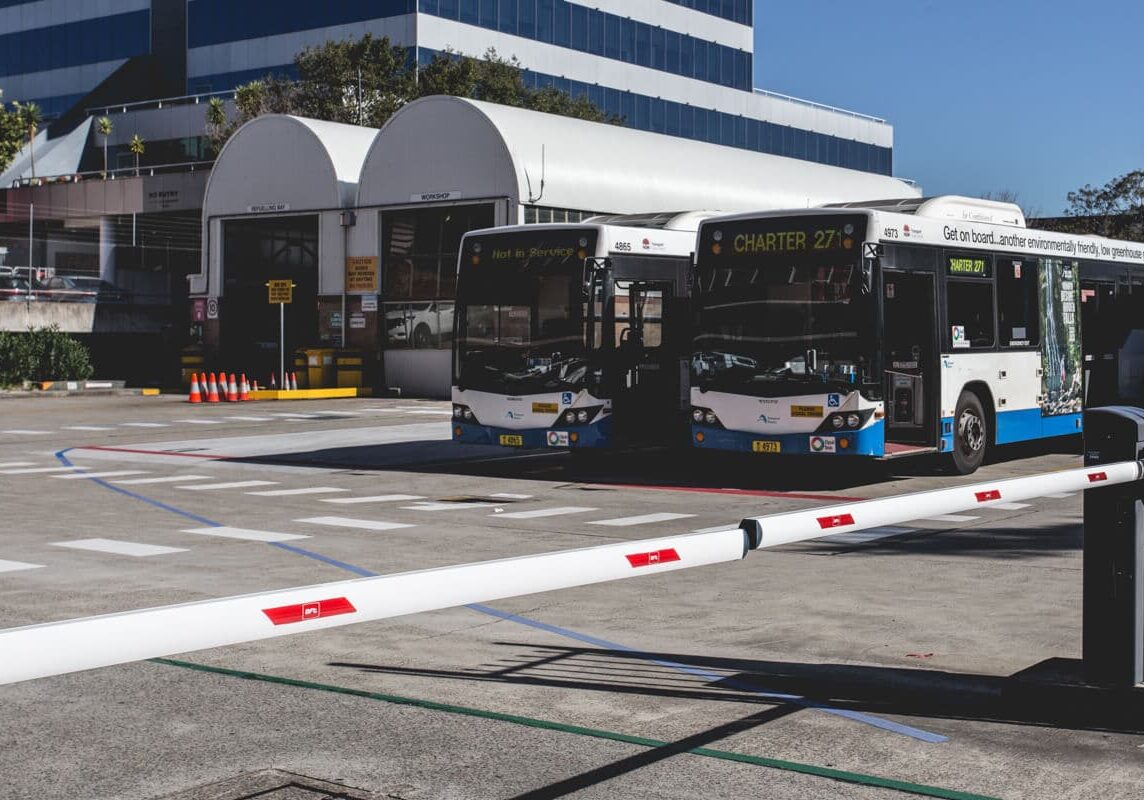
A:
<point x="566" y="399"/>
<point x="833" y="400"/>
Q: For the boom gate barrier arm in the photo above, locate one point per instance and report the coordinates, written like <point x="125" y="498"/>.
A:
<point x="56" y="648"/>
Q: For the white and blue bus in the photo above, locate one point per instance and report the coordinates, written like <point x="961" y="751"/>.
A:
<point x="940" y="325"/>
<point x="574" y="336"/>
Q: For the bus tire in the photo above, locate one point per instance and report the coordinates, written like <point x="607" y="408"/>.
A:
<point x="970" y="434"/>
<point x="422" y="336"/>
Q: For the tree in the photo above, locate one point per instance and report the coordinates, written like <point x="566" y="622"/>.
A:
<point x="360" y="82"/>
<point x="11" y="134"/>
<point x="216" y="124"/>
<point x="1115" y="210"/>
<point x="137" y="148"/>
<point x="103" y="127"/>
<point x="30" y="116"/>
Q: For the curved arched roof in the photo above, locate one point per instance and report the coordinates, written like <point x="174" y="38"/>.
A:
<point x="471" y="148"/>
<point x="280" y="160"/>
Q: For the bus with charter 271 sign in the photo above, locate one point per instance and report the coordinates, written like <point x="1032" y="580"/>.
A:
<point x="574" y="336"/>
<point x="940" y="325"/>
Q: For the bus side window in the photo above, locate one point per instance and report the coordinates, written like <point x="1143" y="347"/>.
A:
<point x="1018" y="301"/>
<point x="970" y="308"/>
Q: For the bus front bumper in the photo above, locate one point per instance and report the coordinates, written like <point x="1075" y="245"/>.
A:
<point x="595" y="435"/>
<point x="869" y="441"/>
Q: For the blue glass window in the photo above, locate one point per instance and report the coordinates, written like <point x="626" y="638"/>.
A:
<point x="527" y="26"/>
<point x="507" y="19"/>
<point x="544" y="20"/>
<point x="596" y="32"/>
<point x="469" y="12"/>
<point x="579" y="28"/>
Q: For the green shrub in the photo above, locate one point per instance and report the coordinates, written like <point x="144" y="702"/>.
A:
<point x="43" y="354"/>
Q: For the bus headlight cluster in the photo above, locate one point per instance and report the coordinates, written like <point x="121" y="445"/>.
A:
<point x="845" y="422"/>
<point x="464" y="413"/>
<point x="578" y="416"/>
<point x="705" y="416"/>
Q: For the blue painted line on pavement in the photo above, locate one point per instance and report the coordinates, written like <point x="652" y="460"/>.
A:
<point x="857" y="716"/>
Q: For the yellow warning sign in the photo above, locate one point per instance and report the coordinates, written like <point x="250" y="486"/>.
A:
<point x="280" y="291"/>
<point x="361" y="275"/>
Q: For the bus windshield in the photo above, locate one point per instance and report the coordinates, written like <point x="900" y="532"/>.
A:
<point x="783" y="304"/>
<point x="520" y="317"/>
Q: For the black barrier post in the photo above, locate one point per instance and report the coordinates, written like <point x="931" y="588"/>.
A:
<point x="1114" y="552"/>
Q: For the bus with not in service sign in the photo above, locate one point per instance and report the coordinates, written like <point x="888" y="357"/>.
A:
<point x="574" y="336"/>
<point x="940" y="325"/>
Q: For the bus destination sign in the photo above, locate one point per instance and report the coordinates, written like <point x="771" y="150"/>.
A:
<point x="968" y="265"/>
<point x="811" y="234"/>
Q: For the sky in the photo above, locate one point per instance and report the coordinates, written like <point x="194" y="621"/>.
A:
<point x="1032" y="98"/>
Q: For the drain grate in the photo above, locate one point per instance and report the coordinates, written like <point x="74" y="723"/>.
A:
<point x="273" y="784"/>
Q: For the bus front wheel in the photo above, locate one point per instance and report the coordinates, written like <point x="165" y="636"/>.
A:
<point x="970" y="434"/>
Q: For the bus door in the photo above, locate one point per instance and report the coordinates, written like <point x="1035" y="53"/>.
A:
<point x="910" y="347"/>
<point x="647" y="390"/>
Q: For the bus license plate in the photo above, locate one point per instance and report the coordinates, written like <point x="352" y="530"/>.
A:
<point x="512" y="440"/>
<point x="766" y="447"/>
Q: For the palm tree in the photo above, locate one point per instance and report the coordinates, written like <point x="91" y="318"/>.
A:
<point x="136" y="148"/>
<point x="30" y="116"/>
<point x="103" y="127"/>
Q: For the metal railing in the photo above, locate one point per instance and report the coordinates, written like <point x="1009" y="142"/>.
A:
<point x="820" y="106"/>
<point x="163" y="102"/>
<point x="112" y="174"/>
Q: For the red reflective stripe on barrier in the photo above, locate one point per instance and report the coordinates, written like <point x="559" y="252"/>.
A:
<point x="992" y="494"/>
<point x="1093" y="477"/>
<point x="301" y="612"/>
<point x="835" y="522"/>
<point x="654" y="557"/>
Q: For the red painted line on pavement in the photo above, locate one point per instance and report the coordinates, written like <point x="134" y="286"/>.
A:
<point x="744" y="492"/>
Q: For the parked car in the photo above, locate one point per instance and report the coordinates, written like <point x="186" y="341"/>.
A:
<point x="14" y="288"/>
<point x="419" y="324"/>
<point x="82" y="289"/>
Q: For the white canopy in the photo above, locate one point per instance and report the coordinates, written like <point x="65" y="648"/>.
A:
<point x="455" y="148"/>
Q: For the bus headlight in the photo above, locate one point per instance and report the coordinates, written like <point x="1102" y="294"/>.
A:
<point x="581" y="416"/>
<point x="837" y="421"/>
<point x="457" y="411"/>
<point x="569" y="417"/>
<point x="853" y="421"/>
<point x="468" y="413"/>
<point x="710" y="418"/>
<point x="697" y="414"/>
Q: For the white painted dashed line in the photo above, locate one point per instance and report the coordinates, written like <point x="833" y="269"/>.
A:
<point x="201" y="421"/>
<point x="377" y="498"/>
<point x="16" y="566"/>
<point x="119" y="548"/>
<point x="144" y="424"/>
<point x="12" y="464"/>
<point x="85" y="428"/>
<point x="1061" y="495"/>
<point x="291" y="492"/>
<point x="434" y="413"/>
<point x="165" y="479"/>
<point x="246" y="534"/>
<point x="951" y="518"/>
<point x="36" y="470"/>
<point x="206" y="487"/>
<point x="251" y="419"/>
<point x="447" y="506"/>
<point x="643" y="519"/>
<point x="544" y="512"/>
<point x="350" y="522"/>
<point x="728" y="527"/>
<point x="116" y="474"/>
<point x="295" y="416"/>
<point x="870" y="535"/>
<point x="26" y="433"/>
<point x="511" y="496"/>
<point x="1007" y="506"/>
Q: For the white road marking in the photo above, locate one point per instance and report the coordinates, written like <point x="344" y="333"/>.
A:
<point x="377" y="498"/>
<point x="246" y="534"/>
<point x="446" y="506"/>
<point x="350" y="522"/>
<point x="1061" y="495"/>
<point x="14" y="566"/>
<point x="36" y="470"/>
<point x="295" y="416"/>
<point x="951" y="518"/>
<point x="119" y="548"/>
<point x="116" y="474"/>
<point x="870" y="535"/>
<point x="144" y="424"/>
<point x="544" y="512"/>
<point x="289" y="492"/>
<point x="9" y="464"/>
<point x="511" y="496"/>
<point x="201" y="421"/>
<point x="251" y="419"/>
<point x="206" y="487"/>
<point x="643" y="519"/>
<point x="165" y="479"/>
<point x="84" y="428"/>
<point x="730" y="526"/>
<point x="26" y="433"/>
<point x="1008" y="506"/>
<point x="435" y="413"/>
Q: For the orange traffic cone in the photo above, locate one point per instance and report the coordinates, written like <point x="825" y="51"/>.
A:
<point x="196" y="396"/>
<point x="293" y="381"/>
<point x="273" y="383"/>
<point x="243" y="389"/>
<point x="231" y="388"/>
<point x="212" y="390"/>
